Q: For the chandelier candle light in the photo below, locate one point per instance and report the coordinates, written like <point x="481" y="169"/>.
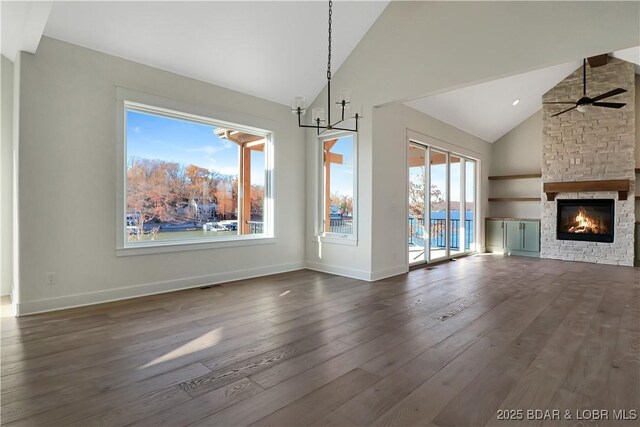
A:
<point x="299" y="104"/>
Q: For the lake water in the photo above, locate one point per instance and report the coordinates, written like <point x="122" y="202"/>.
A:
<point x="192" y="234"/>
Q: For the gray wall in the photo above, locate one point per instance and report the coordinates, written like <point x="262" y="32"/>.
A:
<point x="6" y="176"/>
<point x="517" y="152"/>
<point x="68" y="182"/>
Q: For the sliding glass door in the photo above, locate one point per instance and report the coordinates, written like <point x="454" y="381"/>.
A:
<point x="439" y="169"/>
<point x="456" y="205"/>
<point x="417" y="204"/>
<point x="442" y="204"/>
<point x="470" y="205"/>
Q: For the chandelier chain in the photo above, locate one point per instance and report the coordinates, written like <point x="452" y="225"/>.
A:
<point x="329" y="58"/>
<point x="320" y="124"/>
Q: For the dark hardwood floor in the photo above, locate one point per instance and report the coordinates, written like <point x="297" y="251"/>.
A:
<point x="450" y="346"/>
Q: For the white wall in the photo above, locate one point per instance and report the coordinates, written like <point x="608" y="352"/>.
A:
<point x="392" y="126"/>
<point x="417" y="49"/>
<point x="6" y="175"/>
<point x="68" y="182"/>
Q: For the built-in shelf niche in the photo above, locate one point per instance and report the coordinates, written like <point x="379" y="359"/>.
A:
<point x="512" y="177"/>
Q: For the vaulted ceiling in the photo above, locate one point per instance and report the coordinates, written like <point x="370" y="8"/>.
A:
<point x="274" y="50"/>
<point x="487" y="110"/>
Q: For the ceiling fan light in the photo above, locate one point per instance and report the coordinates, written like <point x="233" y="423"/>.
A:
<point x="583" y="108"/>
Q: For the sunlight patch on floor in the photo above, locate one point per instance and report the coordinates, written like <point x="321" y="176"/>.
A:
<point x="203" y="342"/>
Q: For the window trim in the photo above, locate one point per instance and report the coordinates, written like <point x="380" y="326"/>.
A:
<point x="321" y="235"/>
<point x="129" y="99"/>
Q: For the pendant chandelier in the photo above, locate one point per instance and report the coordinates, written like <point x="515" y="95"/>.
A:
<point x="299" y="104"/>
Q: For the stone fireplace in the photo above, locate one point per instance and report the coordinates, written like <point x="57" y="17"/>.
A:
<point x="598" y="145"/>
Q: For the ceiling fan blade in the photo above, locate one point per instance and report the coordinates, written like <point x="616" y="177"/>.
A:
<point x="611" y="93"/>
<point x="564" y="111"/>
<point x="609" y="104"/>
<point x="561" y="102"/>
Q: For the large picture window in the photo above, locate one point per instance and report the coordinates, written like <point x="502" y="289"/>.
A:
<point x="190" y="179"/>
<point x="338" y="198"/>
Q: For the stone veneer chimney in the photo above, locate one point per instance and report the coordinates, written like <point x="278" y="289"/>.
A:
<point x="596" y="145"/>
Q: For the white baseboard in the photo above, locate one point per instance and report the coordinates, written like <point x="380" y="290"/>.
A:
<point x="109" y="295"/>
<point x="389" y="272"/>
<point x="369" y="276"/>
<point x="340" y="271"/>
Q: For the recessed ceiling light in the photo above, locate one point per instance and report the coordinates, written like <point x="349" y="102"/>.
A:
<point x="516" y="102"/>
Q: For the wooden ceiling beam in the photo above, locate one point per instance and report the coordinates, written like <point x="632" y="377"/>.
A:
<point x="598" y="60"/>
<point x="416" y="161"/>
<point x="334" y="158"/>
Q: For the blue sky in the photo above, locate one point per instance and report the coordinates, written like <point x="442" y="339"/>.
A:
<point x="156" y="137"/>
<point x="342" y="175"/>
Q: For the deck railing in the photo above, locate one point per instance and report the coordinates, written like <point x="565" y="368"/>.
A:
<point x="438" y="232"/>
<point x="255" y="227"/>
<point x="341" y="225"/>
<point x="338" y="225"/>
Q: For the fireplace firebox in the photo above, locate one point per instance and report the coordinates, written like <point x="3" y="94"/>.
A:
<point x="586" y="219"/>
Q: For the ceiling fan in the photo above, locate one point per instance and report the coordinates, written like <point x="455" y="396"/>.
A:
<point x="582" y="103"/>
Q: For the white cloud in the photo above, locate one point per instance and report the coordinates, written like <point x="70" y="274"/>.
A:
<point x="210" y="149"/>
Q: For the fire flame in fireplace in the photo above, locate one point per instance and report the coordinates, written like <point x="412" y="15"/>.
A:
<point x="586" y="224"/>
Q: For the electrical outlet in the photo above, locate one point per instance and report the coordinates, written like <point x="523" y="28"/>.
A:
<point x="577" y="160"/>
<point x="51" y="279"/>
